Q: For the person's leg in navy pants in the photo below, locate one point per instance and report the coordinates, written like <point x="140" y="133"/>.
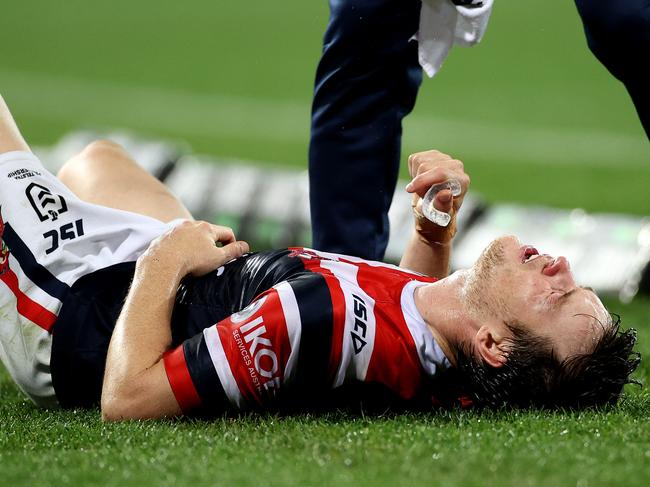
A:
<point x="366" y="82"/>
<point x="618" y="33"/>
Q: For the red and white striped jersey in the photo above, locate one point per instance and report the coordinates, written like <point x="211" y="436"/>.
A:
<point x="335" y="321"/>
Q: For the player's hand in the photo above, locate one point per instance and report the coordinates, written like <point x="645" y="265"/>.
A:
<point x="195" y="248"/>
<point x="429" y="168"/>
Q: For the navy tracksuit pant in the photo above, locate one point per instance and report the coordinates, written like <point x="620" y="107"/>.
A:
<point x="618" y="33"/>
<point x="366" y="82"/>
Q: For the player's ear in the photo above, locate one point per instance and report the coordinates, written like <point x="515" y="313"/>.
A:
<point x="489" y="343"/>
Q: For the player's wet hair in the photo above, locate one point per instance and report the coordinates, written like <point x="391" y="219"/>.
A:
<point x="534" y="377"/>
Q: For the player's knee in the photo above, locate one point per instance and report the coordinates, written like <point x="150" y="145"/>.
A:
<point x="69" y="172"/>
<point x="97" y="157"/>
<point x="102" y="151"/>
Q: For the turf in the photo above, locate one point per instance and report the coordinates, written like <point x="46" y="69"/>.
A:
<point x="533" y="115"/>
<point x="457" y="448"/>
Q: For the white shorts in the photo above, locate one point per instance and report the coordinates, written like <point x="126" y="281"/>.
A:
<point x="49" y="239"/>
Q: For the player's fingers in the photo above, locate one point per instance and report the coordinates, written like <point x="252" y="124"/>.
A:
<point x="446" y="163"/>
<point x="422" y="159"/>
<point x="214" y="257"/>
<point x="422" y="182"/>
<point x="245" y="248"/>
<point x="444" y="201"/>
<point x="222" y="234"/>
<point x="411" y="161"/>
<point x="464" y="180"/>
<point x="234" y="250"/>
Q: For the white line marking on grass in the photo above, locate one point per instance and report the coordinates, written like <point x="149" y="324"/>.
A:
<point x="91" y="102"/>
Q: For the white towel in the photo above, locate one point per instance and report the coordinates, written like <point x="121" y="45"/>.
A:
<point x="443" y="24"/>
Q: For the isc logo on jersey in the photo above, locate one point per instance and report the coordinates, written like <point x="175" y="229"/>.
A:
<point x="360" y="330"/>
<point x="256" y="348"/>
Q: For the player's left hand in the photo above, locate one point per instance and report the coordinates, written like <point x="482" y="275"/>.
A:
<point x="429" y="168"/>
<point x="195" y="248"/>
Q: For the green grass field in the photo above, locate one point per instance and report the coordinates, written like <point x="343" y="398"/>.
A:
<point x="535" y="118"/>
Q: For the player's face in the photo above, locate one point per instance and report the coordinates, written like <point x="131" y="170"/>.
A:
<point x="514" y="283"/>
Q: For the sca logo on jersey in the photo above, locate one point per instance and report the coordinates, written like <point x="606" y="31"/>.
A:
<point x="360" y="324"/>
<point x="48" y="206"/>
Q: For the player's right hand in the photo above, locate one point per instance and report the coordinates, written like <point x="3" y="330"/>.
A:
<point x="195" y="248"/>
<point x="429" y="168"/>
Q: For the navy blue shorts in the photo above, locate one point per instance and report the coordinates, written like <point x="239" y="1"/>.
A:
<point x="83" y="330"/>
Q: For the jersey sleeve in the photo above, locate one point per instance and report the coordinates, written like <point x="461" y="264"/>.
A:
<point x="242" y="362"/>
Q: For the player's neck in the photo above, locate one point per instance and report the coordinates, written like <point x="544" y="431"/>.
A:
<point x="442" y="306"/>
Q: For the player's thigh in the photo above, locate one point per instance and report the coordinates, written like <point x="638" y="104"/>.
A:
<point x="104" y="174"/>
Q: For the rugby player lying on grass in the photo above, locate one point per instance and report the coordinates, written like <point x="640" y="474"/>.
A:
<point x="199" y="328"/>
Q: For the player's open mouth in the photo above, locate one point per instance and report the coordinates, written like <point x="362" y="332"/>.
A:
<point x="528" y="253"/>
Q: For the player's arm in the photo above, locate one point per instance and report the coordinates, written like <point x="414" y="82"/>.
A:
<point x="429" y="248"/>
<point x="10" y="137"/>
<point x="135" y="381"/>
